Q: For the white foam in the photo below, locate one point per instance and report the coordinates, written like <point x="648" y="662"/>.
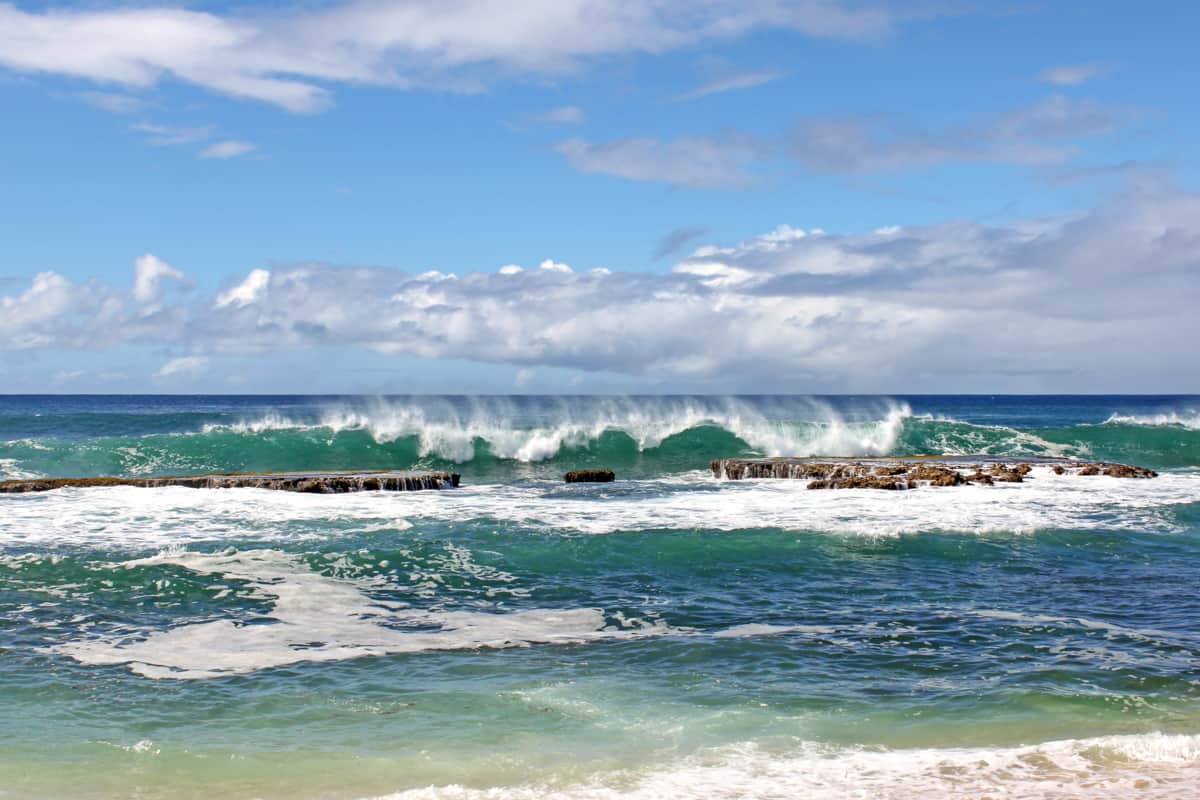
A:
<point x="1189" y="419"/>
<point x="1112" y="629"/>
<point x="315" y="617"/>
<point x="10" y="470"/>
<point x="449" y="430"/>
<point x="1153" y="765"/>
<point x="134" y="517"/>
<point x="764" y="629"/>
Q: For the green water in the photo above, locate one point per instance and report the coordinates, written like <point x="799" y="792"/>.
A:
<point x="668" y="635"/>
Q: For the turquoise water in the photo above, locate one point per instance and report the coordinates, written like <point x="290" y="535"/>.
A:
<point x="667" y="635"/>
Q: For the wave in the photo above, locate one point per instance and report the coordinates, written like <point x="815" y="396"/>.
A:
<point x="1174" y="419"/>
<point x="1149" y="765"/>
<point x="501" y="438"/>
<point x="452" y="433"/>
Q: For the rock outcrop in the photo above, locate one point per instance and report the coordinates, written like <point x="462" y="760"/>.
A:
<point x="311" y="482"/>
<point x="909" y="472"/>
<point x="590" y="476"/>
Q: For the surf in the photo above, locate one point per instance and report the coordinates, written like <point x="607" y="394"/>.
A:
<point x="499" y="438"/>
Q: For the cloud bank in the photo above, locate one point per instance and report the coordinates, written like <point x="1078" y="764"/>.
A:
<point x="1099" y="301"/>
<point x="289" y="56"/>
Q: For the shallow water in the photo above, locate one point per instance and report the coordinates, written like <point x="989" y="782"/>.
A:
<point x="668" y="635"/>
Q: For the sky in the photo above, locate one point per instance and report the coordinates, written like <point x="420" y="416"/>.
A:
<point x="559" y="196"/>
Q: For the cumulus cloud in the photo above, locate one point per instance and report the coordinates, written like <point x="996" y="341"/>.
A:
<point x="1096" y="301"/>
<point x="287" y="56"/>
<point x="246" y="292"/>
<point x="149" y="273"/>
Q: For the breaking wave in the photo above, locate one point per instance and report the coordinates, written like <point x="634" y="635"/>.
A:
<point x="1151" y="765"/>
<point x="1174" y="419"/>
<point x="539" y="436"/>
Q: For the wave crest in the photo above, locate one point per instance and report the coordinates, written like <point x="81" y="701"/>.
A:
<point x="1172" y="419"/>
<point x="453" y="433"/>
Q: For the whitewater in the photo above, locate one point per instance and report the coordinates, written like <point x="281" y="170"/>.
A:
<point x="670" y="634"/>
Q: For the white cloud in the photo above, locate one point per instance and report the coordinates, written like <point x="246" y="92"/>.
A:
<point x="1072" y="74"/>
<point x="287" y="56"/>
<point x="230" y="148"/>
<point x="1035" y="134"/>
<point x="728" y="83"/>
<point x="33" y="318"/>
<point x="149" y="273"/>
<point x="186" y="366"/>
<point x="172" y="134"/>
<point x="1038" y="134"/>
<point x="563" y="115"/>
<point x="246" y="292"/>
<point x="1097" y="302"/>
<point x="113" y="102"/>
<point x="695" y="161"/>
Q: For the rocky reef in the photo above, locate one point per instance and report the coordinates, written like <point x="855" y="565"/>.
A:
<point x="311" y="482"/>
<point x="590" y="476"/>
<point x="909" y="472"/>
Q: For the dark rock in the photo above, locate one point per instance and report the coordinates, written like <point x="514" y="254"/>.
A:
<point x="590" y="476"/>
<point x="935" y="475"/>
<point x="1008" y="474"/>
<point x="905" y="472"/>
<point x="1126" y="471"/>
<point x="310" y="482"/>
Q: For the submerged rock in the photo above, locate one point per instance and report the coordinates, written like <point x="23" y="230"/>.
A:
<point x="590" y="476"/>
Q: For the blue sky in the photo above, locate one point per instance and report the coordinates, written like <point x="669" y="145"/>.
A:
<point x="990" y="196"/>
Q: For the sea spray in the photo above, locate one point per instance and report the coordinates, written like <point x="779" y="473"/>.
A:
<point x="502" y="438"/>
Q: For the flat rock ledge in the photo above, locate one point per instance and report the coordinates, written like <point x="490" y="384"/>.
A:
<point x="909" y="472"/>
<point x="311" y="482"/>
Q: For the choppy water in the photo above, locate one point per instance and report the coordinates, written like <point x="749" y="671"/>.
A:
<point x="668" y="635"/>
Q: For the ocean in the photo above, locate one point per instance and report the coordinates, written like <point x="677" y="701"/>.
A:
<point x="668" y="635"/>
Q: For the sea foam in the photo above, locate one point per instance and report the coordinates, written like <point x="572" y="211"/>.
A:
<point x="128" y="517"/>
<point x="314" y="617"/>
<point x="1153" y="765"/>
<point x="1174" y="419"/>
